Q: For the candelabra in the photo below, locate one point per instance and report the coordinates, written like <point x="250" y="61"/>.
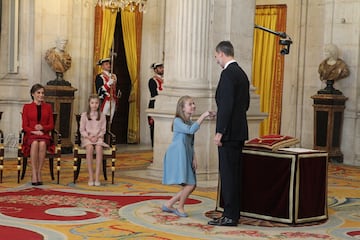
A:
<point x="117" y="5"/>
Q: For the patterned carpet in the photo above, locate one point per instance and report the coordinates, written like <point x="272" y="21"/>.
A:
<point x="130" y="209"/>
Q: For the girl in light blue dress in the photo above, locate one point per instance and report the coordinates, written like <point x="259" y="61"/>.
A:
<point x="179" y="161"/>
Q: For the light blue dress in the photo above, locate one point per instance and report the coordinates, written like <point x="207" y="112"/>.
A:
<point x="179" y="155"/>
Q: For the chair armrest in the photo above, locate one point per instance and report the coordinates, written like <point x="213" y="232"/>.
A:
<point x="77" y="133"/>
<point x="56" y="136"/>
<point x="20" y="141"/>
<point x="1" y="152"/>
<point x="113" y="138"/>
<point x="1" y="137"/>
<point x="110" y="138"/>
<point x="21" y="136"/>
<point x="77" y="139"/>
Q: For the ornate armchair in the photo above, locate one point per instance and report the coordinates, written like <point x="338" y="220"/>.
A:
<point x="108" y="153"/>
<point x="22" y="161"/>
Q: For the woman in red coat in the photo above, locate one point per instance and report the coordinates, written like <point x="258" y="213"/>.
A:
<point x="37" y="123"/>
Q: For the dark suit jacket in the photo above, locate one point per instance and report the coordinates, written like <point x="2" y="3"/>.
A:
<point x="232" y="99"/>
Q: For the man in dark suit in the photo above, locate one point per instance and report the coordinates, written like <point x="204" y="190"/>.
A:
<point x="232" y="99"/>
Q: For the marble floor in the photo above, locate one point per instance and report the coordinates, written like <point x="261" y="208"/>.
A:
<point x="11" y="153"/>
<point x="148" y="174"/>
<point x="132" y="147"/>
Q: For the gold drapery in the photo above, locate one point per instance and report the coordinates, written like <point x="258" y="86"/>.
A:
<point x="108" y="29"/>
<point x="268" y="65"/>
<point x="105" y="21"/>
<point x="130" y="23"/>
<point x="97" y="41"/>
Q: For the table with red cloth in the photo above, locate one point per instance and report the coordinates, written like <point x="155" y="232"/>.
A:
<point x="283" y="186"/>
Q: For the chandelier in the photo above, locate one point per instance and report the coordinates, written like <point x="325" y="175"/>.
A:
<point x="117" y="5"/>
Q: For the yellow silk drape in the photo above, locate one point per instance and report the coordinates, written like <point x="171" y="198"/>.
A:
<point x="267" y="71"/>
<point x="107" y="34"/>
<point x="97" y="41"/>
<point x="128" y="21"/>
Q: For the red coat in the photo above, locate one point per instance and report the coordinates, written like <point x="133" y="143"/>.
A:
<point x="29" y="120"/>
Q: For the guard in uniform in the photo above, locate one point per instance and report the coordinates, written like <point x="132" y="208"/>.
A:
<point x="105" y="84"/>
<point x="155" y="85"/>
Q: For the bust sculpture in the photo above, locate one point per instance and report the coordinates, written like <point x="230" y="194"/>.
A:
<point x="59" y="61"/>
<point x="332" y="69"/>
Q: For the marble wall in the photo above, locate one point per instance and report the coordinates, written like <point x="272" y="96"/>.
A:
<point x="312" y="25"/>
<point x="40" y="24"/>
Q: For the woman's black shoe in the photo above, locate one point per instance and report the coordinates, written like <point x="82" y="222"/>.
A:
<point x="39" y="183"/>
<point x="34" y="183"/>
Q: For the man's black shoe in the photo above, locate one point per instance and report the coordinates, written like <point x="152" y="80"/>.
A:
<point x="223" y="221"/>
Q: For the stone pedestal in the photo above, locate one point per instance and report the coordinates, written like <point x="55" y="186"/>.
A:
<point x="61" y="98"/>
<point x="328" y="121"/>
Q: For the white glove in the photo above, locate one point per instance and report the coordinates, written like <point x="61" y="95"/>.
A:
<point x="110" y="82"/>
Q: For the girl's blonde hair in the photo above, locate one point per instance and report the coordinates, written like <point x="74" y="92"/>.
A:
<point x="93" y="96"/>
<point x="179" y="108"/>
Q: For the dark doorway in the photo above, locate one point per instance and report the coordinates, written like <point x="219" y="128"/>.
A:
<point x="120" y="121"/>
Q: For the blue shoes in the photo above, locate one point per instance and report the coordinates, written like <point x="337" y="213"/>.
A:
<point x="166" y="209"/>
<point x="175" y="211"/>
<point x="180" y="214"/>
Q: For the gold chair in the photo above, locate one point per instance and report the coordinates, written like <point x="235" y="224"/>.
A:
<point x="22" y="161"/>
<point x="108" y="153"/>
